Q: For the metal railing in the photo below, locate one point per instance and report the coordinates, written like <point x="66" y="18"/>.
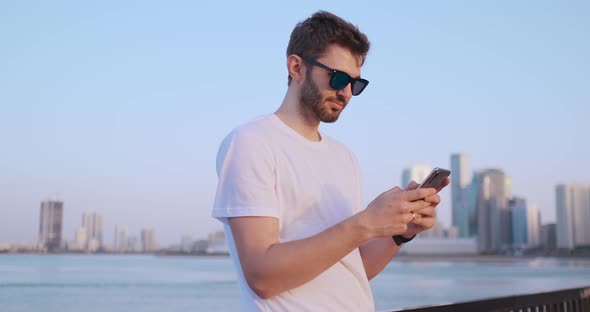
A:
<point x="567" y="300"/>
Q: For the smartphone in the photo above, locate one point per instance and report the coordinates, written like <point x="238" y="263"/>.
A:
<point x="436" y="178"/>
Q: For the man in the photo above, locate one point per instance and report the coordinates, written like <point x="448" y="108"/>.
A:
<point x="290" y="196"/>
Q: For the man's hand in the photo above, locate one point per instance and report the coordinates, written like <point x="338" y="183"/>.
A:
<point x="391" y="212"/>
<point x="425" y="218"/>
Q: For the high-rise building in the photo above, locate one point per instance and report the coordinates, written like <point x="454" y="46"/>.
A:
<point x="462" y="208"/>
<point x="133" y="244"/>
<point x="51" y="224"/>
<point x="573" y="215"/>
<point x="526" y="224"/>
<point x="148" y="240"/>
<point x="121" y="243"/>
<point x="92" y="222"/>
<point x="494" y="227"/>
<point x="533" y="226"/>
<point x="81" y="239"/>
<point x="470" y="204"/>
<point x="417" y="173"/>
<point x="549" y="236"/>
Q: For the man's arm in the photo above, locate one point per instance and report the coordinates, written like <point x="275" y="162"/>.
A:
<point x="377" y="253"/>
<point x="271" y="267"/>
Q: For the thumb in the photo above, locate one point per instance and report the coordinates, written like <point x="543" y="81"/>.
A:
<point x="412" y="185"/>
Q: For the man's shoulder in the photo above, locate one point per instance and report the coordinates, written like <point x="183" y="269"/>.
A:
<point x="255" y="130"/>
<point x="258" y="124"/>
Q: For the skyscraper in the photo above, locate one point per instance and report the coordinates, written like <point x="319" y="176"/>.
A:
<point x="470" y="201"/>
<point x="549" y="236"/>
<point x="133" y="244"/>
<point x="121" y="243"/>
<point x="533" y="226"/>
<point x="526" y="224"/>
<point x="460" y="183"/>
<point x="92" y="222"/>
<point x="148" y="240"/>
<point x="81" y="239"/>
<point x="573" y="213"/>
<point x="51" y="224"/>
<point x="416" y="173"/>
<point x="494" y="228"/>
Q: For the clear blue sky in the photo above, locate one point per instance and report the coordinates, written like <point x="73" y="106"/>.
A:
<point x="119" y="107"/>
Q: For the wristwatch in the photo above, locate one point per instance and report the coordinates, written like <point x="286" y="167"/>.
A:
<point x="398" y="239"/>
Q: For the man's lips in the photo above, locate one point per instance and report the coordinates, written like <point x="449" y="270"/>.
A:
<point x="337" y="104"/>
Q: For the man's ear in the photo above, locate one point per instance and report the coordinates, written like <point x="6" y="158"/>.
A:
<point x="296" y="67"/>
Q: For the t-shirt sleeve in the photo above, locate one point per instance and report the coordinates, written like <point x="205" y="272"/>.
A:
<point x="246" y="178"/>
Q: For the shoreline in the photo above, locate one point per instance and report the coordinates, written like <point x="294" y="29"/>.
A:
<point x="398" y="258"/>
<point x="481" y="258"/>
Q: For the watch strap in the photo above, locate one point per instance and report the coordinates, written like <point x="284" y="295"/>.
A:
<point x="399" y="239"/>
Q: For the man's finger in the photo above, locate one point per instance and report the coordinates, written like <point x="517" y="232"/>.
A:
<point x="419" y="193"/>
<point x="415" y="205"/>
<point x="433" y="199"/>
<point x="426" y="212"/>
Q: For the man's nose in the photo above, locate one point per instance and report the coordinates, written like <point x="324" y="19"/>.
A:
<point x="346" y="92"/>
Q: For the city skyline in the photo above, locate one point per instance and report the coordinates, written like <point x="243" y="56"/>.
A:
<point x="120" y="115"/>
<point x="412" y="172"/>
<point x="516" y="211"/>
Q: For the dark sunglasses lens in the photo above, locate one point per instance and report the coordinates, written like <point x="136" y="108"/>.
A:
<point x="358" y="86"/>
<point x="339" y="80"/>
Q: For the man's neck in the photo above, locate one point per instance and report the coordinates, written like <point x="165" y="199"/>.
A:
<point x="304" y="122"/>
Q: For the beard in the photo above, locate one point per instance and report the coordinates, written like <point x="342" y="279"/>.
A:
<point x="314" y="103"/>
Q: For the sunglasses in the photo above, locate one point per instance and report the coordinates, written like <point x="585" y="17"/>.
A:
<point x="340" y="79"/>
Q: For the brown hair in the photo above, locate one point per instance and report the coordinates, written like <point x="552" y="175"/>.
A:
<point x="312" y="36"/>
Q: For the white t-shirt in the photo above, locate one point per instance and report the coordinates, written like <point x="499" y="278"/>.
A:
<point x="265" y="168"/>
